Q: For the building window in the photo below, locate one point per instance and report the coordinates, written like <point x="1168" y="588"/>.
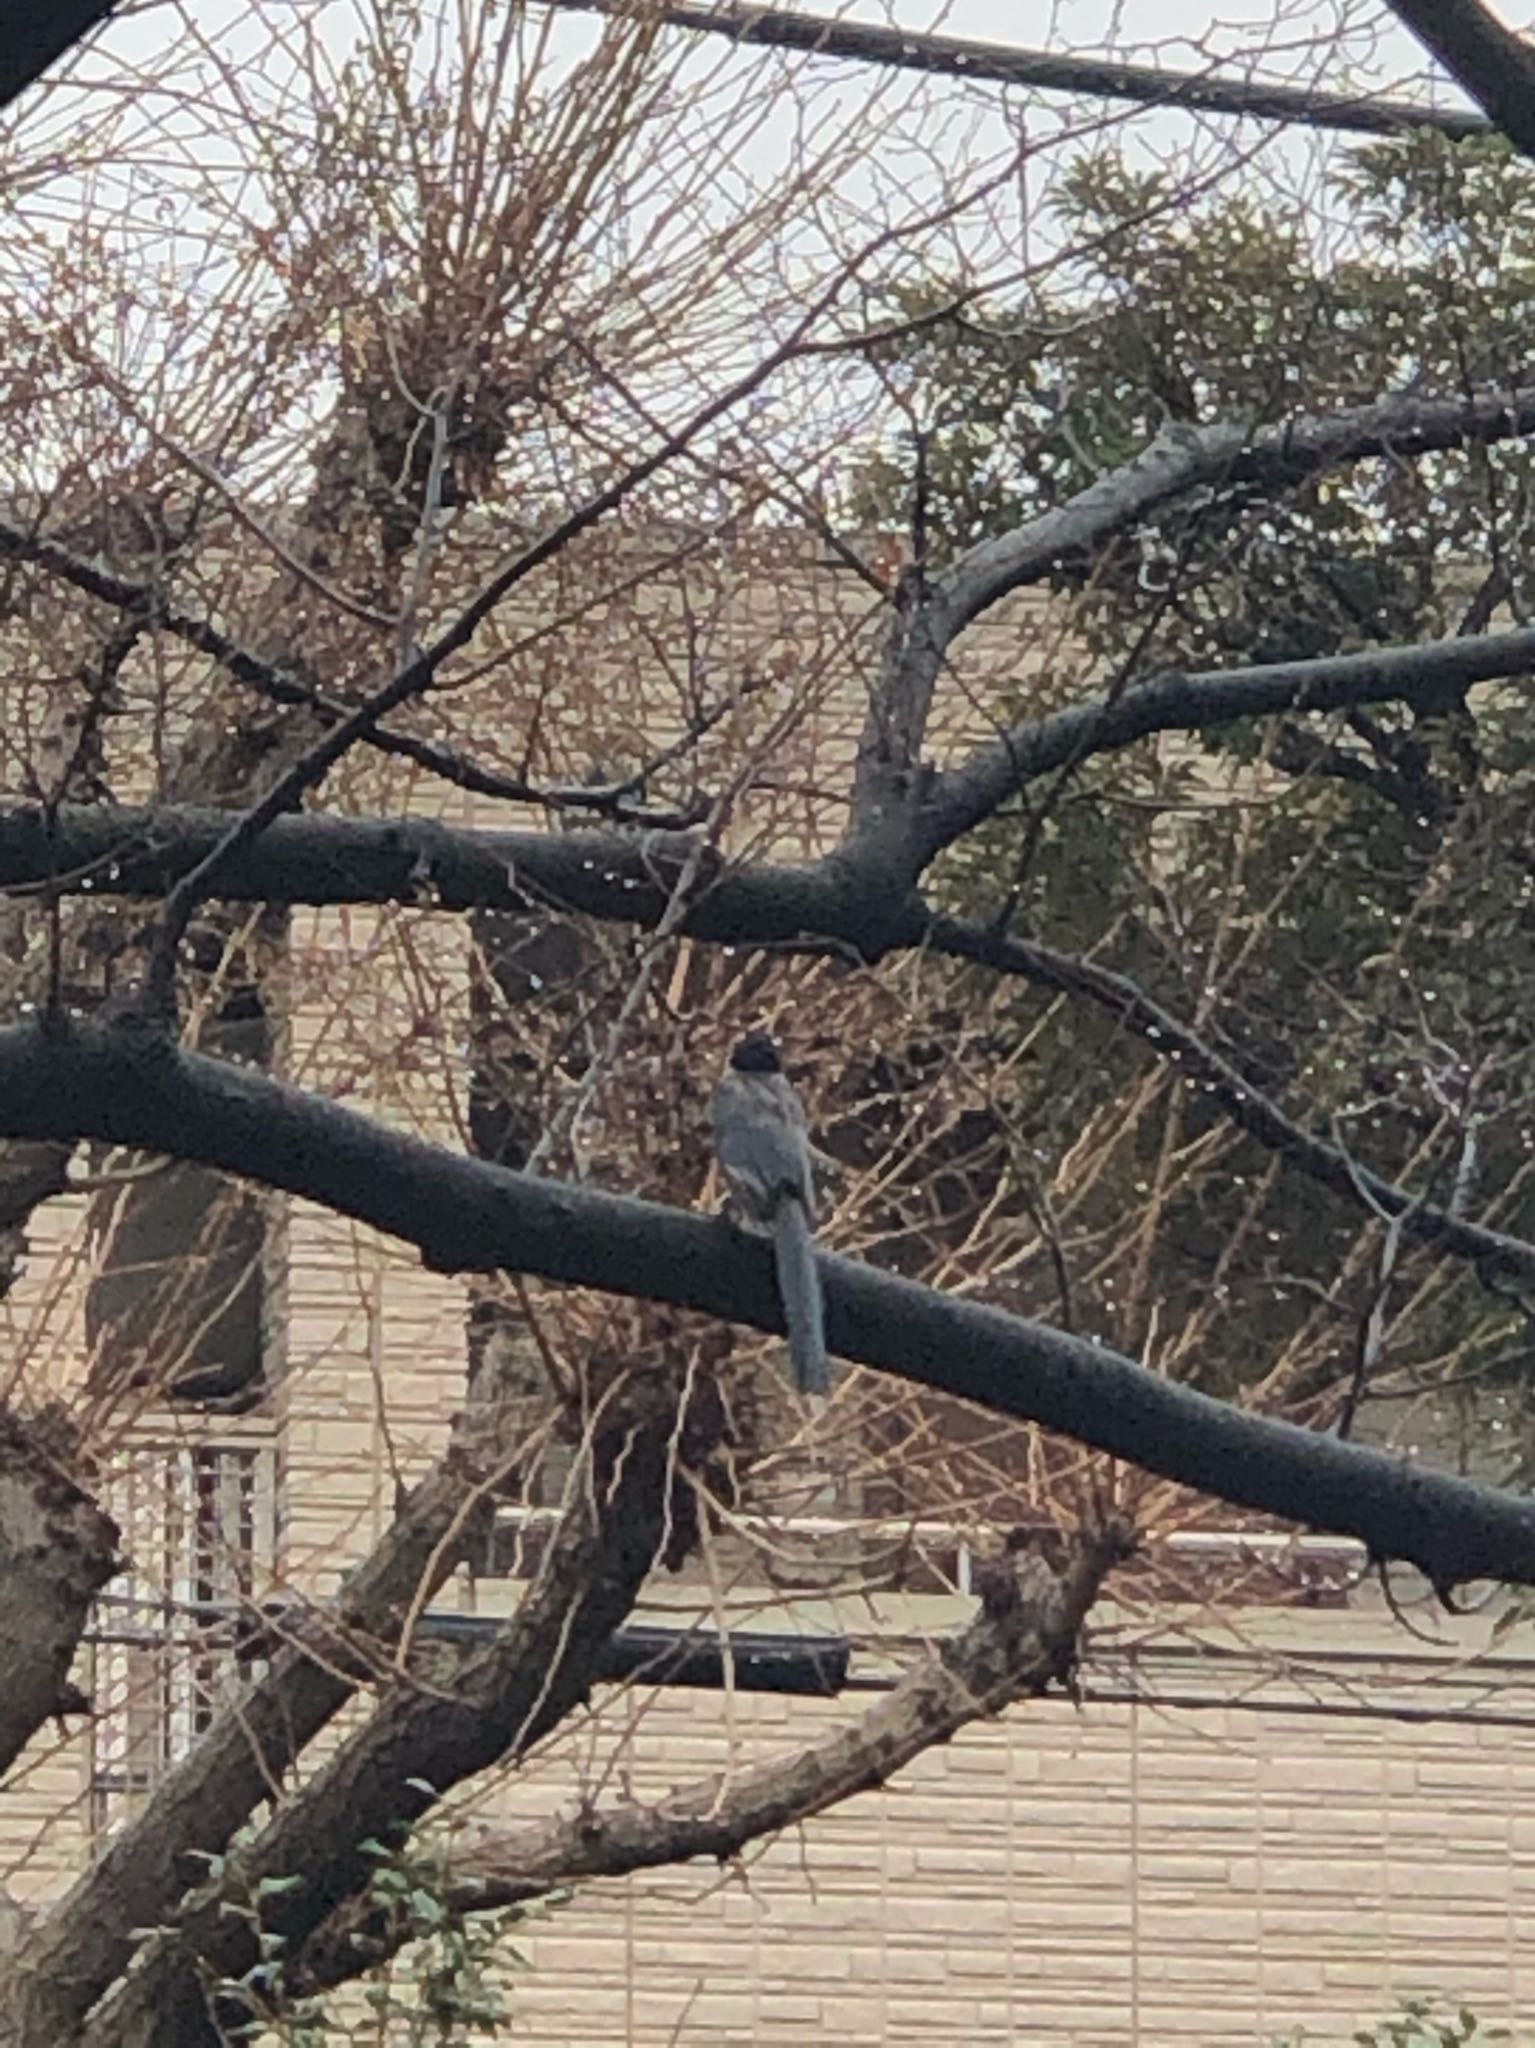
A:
<point x="197" y="1522"/>
<point x="178" y="1300"/>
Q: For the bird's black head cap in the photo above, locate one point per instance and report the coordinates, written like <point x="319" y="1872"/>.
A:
<point x="756" y="1054"/>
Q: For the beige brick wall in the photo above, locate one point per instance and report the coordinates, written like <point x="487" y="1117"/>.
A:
<point x="1094" y="1875"/>
<point x="1087" y="1877"/>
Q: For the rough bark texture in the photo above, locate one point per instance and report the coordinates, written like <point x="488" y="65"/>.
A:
<point x="1022" y="1641"/>
<point x="75" y="1952"/>
<point x="416" y="1746"/>
<point x="57" y="1550"/>
<point x="29" y="1175"/>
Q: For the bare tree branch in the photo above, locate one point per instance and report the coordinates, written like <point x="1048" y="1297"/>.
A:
<point x="1180" y="459"/>
<point x="1223" y="453"/>
<point x="1247" y="1106"/>
<point x="57" y="1550"/>
<point x="417" y="675"/>
<point x="327" y="860"/>
<point x="631" y="879"/>
<point x="73" y="1954"/>
<point x="416" y="1746"/>
<point x="129" y="1084"/>
<point x="1412" y="673"/>
<point x="324" y="858"/>
<point x="1022" y="1641"/>
<point x="280" y="685"/>
<point x="628" y="878"/>
<point x="1047" y="71"/>
<point x="1495" y="66"/>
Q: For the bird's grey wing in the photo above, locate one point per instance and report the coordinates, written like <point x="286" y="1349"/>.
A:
<point x="759" y="1139"/>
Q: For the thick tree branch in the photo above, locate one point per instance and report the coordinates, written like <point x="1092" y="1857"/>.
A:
<point x="76" y="1951"/>
<point x="417" y="1746"/>
<point x="317" y="858"/>
<point x="57" y="1550"/>
<point x="1046" y="71"/>
<point x="419" y="674"/>
<point x="1173" y="702"/>
<point x="29" y="1176"/>
<point x="133" y="1087"/>
<point x="327" y="859"/>
<point x="1022" y="1641"/>
<point x="321" y="859"/>
<point x="36" y="37"/>
<point x="1495" y="66"/>
<point x="1182" y="458"/>
<point x="891" y="819"/>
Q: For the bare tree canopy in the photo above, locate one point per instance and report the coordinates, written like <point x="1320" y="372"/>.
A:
<point x="540" y="540"/>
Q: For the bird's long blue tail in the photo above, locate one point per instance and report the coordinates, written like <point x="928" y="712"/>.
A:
<point x="799" y="1289"/>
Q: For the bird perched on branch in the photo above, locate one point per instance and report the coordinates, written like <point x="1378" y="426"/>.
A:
<point x="763" y="1149"/>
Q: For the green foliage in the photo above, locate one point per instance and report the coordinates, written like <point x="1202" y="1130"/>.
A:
<point x="1227" y="309"/>
<point x="446" y="1989"/>
<point x="1421" y="2023"/>
<point x="446" y="1985"/>
<point x="1360" y="938"/>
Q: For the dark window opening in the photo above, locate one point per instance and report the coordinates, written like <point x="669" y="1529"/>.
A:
<point x="178" y="1302"/>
